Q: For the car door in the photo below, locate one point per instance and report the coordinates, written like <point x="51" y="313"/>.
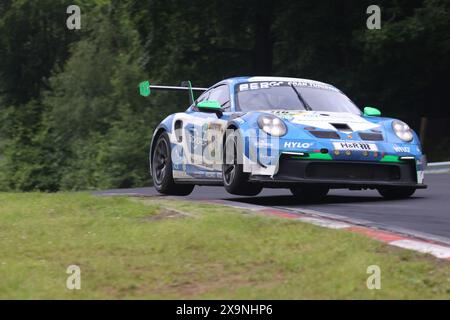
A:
<point x="205" y="135"/>
<point x="216" y="128"/>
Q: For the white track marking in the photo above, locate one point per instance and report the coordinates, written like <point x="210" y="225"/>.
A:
<point x="325" y="223"/>
<point x="434" y="249"/>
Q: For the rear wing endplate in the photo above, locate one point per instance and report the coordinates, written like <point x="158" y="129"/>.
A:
<point x="145" y="89"/>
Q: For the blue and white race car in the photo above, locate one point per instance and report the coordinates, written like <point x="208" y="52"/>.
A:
<point x="249" y="133"/>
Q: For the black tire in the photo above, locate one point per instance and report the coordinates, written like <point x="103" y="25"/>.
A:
<point x="309" y="193"/>
<point x="162" y="169"/>
<point x="391" y="193"/>
<point x="235" y="180"/>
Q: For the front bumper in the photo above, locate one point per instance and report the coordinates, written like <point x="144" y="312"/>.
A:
<point x="341" y="174"/>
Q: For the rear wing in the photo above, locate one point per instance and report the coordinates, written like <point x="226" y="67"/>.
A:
<point x="145" y="89"/>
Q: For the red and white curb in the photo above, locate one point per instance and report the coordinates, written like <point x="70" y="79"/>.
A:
<point x="439" y="250"/>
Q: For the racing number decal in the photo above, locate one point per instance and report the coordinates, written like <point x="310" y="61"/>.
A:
<point x="212" y="136"/>
<point x="202" y="142"/>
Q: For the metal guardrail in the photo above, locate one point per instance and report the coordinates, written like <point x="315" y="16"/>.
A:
<point x="438" y="167"/>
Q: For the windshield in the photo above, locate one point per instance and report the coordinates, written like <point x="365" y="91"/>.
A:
<point x="291" y="95"/>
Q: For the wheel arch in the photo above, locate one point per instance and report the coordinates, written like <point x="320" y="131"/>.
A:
<point x="158" y="132"/>
<point x="230" y="126"/>
<point x="243" y="147"/>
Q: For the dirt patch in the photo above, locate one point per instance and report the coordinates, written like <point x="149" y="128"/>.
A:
<point x="213" y="278"/>
<point x="164" y="214"/>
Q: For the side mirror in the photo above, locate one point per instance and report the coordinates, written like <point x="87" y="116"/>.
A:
<point x="210" y="106"/>
<point x="372" y="112"/>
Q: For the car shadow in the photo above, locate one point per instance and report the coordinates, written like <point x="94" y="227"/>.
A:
<point x="287" y="200"/>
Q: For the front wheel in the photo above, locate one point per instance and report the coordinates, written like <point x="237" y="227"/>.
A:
<point x="396" y="193"/>
<point x="162" y="170"/>
<point x="235" y="180"/>
<point x="310" y="193"/>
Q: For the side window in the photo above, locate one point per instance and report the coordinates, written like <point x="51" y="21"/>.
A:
<point x="204" y="96"/>
<point x="221" y="94"/>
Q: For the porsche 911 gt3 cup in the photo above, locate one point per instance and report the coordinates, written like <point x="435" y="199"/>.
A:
<point x="249" y="133"/>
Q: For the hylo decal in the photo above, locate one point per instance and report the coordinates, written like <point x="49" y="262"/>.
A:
<point x="297" y="145"/>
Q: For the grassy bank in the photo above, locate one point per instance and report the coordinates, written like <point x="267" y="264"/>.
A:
<point x="143" y="248"/>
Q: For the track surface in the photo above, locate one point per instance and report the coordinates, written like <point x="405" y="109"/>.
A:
<point x="426" y="213"/>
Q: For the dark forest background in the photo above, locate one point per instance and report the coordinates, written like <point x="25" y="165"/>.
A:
<point x="70" y="115"/>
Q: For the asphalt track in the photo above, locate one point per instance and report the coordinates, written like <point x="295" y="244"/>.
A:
<point x="426" y="214"/>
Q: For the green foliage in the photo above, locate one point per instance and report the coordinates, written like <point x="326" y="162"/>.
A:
<point x="407" y="60"/>
<point x="33" y="39"/>
<point x="70" y="113"/>
<point x="95" y="111"/>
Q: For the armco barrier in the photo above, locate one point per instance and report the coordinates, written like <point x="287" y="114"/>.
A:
<point x="438" y="167"/>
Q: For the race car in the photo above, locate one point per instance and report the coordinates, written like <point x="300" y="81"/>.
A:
<point x="250" y="133"/>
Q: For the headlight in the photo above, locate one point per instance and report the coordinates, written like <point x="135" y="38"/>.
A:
<point x="272" y="125"/>
<point x="402" y="130"/>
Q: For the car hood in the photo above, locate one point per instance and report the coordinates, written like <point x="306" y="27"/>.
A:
<point x="336" y="121"/>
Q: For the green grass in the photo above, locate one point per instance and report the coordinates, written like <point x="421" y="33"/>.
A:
<point x="141" y="248"/>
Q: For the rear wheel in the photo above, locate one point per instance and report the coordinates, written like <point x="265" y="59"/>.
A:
<point x="235" y="180"/>
<point x="162" y="170"/>
<point x="396" y="193"/>
<point x="310" y="193"/>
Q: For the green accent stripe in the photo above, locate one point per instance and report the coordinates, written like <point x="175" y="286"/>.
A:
<point x="315" y="156"/>
<point x="320" y="156"/>
<point x="390" y="158"/>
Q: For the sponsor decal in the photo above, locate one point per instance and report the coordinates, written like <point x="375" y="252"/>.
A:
<point x="285" y="114"/>
<point x="311" y="84"/>
<point x="263" y="144"/>
<point x="212" y="126"/>
<point x="259" y="85"/>
<point x="269" y="84"/>
<point x="357" y="146"/>
<point x="210" y="175"/>
<point x="198" y="141"/>
<point x="308" y="115"/>
<point x="297" y="145"/>
<point x="177" y="166"/>
<point x="401" y="149"/>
